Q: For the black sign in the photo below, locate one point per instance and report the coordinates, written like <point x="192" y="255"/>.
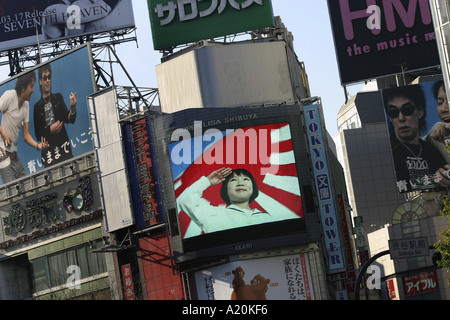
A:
<point x="376" y="38"/>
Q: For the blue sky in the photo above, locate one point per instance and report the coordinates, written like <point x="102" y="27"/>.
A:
<point x="310" y="25"/>
<point x="307" y="20"/>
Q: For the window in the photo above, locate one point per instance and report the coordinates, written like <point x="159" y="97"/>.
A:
<point x="50" y="271"/>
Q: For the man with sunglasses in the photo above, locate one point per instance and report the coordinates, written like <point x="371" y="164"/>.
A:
<point x="418" y="165"/>
<point x="50" y="116"/>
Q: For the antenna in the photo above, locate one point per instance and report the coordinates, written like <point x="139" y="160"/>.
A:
<point x="37" y="34"/>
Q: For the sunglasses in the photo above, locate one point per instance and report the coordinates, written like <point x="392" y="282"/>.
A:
<point x="406" y="111"/>
<point x="45" y="78"/>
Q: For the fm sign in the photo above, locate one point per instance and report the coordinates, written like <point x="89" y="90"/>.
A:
<point x="377" y="38"/>
<point x="323" y="187"/>
<point x="373" y="14"/>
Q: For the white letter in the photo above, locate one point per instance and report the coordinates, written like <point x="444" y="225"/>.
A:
<point x="74" y="17"/>
<point x="374" y="21"/>
<point x="213" y="153"/>
<point x="73" y="282"/>
<point x="184" y="146"/>
<point x="374" y="280"/>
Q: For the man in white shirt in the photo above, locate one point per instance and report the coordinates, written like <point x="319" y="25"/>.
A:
<point x="14" y="106"/>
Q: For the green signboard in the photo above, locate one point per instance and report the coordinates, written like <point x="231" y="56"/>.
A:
<point x="176" y="22"/>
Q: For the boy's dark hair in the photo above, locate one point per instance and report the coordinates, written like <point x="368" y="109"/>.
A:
<point x="413" y="93"/>
<point x="23" y="81"/>
<point x="44" y="68"/>
<point x="238" y="172"/>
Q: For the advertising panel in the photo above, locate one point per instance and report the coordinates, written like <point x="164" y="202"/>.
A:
<point x="277" y="278"/>
<point x="417" y="117"/>
<point x="324" y="188"/>
<point x="185" y="21"/>
<point x="30" y="22"/>
<point x="48" y="214"/>
<point x="52" y="124"/>
<point x="142" y="172"/>
<point x="420" y="283"/>
<point x="236" y="178"/>
<point x="376" y="38"/>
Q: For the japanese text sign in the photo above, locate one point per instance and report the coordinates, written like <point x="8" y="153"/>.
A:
<point x="420" y="283"/>
<point x="407" y="248"/>
<point x="128" y="282"/>
<point x="323" y="187"/>
<point x="178" y="22"/>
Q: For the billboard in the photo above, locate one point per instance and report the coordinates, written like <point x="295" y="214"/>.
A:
<point x="30" y="22"/>
<point x="52" y="123"/>
<point x="376" y="38"/>
<point x="417" y="118"/>
<point x="276" y="278"/>
<point x="185" y="21"/>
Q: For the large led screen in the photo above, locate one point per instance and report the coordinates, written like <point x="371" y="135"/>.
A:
<point x="418" y="121"/>
<point x="44" y="117"/>
<point x="243" y="181"/>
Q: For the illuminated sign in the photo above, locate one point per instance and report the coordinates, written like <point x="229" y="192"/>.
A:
<point x="420" y="283"/>
<point x="323" y="187"/>
<point x="185" y="21"/>
<point x="141" y="171"/>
